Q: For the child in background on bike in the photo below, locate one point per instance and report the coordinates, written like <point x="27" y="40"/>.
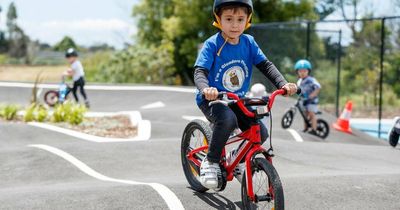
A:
<point x="225" y="64"/>
<point x="77" y="73"/>
<point x="310" y="89"/>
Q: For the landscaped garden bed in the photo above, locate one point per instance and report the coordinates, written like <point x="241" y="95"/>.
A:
<point x="71" y="116"/>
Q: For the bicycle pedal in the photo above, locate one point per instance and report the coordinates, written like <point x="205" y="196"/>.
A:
<point x="267" y="197"/>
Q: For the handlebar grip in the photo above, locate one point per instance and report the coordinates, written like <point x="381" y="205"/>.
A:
<point x="298" y="92"/>
<point x="221" y="95"/>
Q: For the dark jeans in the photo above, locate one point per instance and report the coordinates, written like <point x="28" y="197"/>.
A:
<point x="79" y="83"/>
<point x="225" y="120"/>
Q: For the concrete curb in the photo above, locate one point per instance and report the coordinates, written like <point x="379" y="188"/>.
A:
<point x="144" y="128"/>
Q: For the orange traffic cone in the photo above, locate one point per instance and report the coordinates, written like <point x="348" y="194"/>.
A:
<point x="343" y="123"/>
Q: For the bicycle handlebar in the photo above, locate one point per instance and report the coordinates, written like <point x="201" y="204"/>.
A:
<point x="225" y="99"/>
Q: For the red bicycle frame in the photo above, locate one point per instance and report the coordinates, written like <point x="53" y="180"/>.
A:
<point x="251" y="147"/>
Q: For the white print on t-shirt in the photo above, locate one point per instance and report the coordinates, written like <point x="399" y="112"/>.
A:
<point x="233" y="78"/>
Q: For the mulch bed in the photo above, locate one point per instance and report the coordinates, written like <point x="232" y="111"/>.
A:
<point x="118" y="126"/>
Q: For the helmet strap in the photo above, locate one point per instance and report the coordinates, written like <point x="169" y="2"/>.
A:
<point x="248" y="24"/>
<point x="217" y="22"/>
<point x="220" y="49"/>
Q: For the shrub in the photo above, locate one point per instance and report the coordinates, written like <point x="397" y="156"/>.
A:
<point x="35" y="113"/>
<point x="76" y="114"/>
<point x="10" y="111"/>
<point x="30" y="113"/>
<point x="41" y="115"/>
<point x="69" y="112"/>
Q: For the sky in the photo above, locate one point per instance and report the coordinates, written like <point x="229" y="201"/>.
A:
<point x="88" y="22"/>
<point x="91" y="22"/>
<point x="379" y="8"/>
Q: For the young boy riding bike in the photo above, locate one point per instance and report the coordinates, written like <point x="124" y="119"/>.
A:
<point x="310" y="89"/>
<point x="225" y="64"/>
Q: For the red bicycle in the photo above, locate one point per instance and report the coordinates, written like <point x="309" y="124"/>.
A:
<point x="261" y="187"/>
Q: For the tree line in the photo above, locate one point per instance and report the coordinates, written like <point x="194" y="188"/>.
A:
<point x="21" y="49"/>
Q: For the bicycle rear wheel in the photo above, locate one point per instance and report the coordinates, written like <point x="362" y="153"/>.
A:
<point x="322" y="128"/>
<point x="267" y="187"/>
<point x="287" y="119"/>
<point x="393" y="138"/>
<point x="51" y="97"/>
<point x="197" y="133"/>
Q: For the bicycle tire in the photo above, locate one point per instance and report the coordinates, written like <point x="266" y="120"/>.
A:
<point x="322" y="128"/>
<point x="191" y="170"/>
<point x="51" y="98"/>
<point x="393" y="138"/>
<point x="287" y="119"/>
<point x="273" y="179"/>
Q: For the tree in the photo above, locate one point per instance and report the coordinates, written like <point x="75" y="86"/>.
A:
<point x="18" y="41"/>
<point x="3" y="41"/>
<point x="66" y="43"/>
<point x="12" y="19"/>
<point x="361" y="65"/>
<point x="149" y="15"/>
<point x="279" y="10"/>
<point x="324" y="8"/>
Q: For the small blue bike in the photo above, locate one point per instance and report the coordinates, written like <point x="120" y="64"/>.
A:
<point x="52" y="97"/>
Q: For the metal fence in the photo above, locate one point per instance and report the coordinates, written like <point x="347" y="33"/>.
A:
<point x="357" y="60"/>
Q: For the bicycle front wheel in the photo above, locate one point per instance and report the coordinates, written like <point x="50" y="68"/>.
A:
<point x="267" y="187"/>
<point x="51" y="97"/>
<point x="197" y="134"/>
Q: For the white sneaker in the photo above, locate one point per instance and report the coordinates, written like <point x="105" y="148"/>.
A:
<point x="238" y="172"/>
<point x="209" y="174"/>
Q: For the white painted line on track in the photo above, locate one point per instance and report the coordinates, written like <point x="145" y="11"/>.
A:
<point x="169" y="197"/>
<point x="190" y="118"/>
<point x="103" y="87"/>
<point x="155" y="105"/>
<point x="295" y="135"/>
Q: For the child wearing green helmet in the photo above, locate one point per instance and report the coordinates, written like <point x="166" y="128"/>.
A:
<point x="225" y="64"/>
<point x="310" y="89"/>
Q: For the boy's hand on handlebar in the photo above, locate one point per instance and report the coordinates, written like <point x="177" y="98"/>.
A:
<point x="290" y="88"/>
<point x="210" y="93"/>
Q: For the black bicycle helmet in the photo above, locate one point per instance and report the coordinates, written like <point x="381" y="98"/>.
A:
<point x="218" y="4"/>
<point x="71" y="52"/>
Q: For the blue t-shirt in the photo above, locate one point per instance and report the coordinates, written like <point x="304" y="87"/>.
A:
<point x="230" y="71"/>
<point x="308" y="85"/>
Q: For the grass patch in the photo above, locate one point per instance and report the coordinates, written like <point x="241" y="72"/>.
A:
<point x="21" y="73"/>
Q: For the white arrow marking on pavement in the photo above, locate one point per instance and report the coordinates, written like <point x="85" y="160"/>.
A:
<point x="295" y="135"/>
<point x="169" y="197"/>
<point x="155" y="105"/>
<point x="190" y="118"/>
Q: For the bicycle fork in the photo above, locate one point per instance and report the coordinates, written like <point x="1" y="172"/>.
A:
<point x="249" y="179"/>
